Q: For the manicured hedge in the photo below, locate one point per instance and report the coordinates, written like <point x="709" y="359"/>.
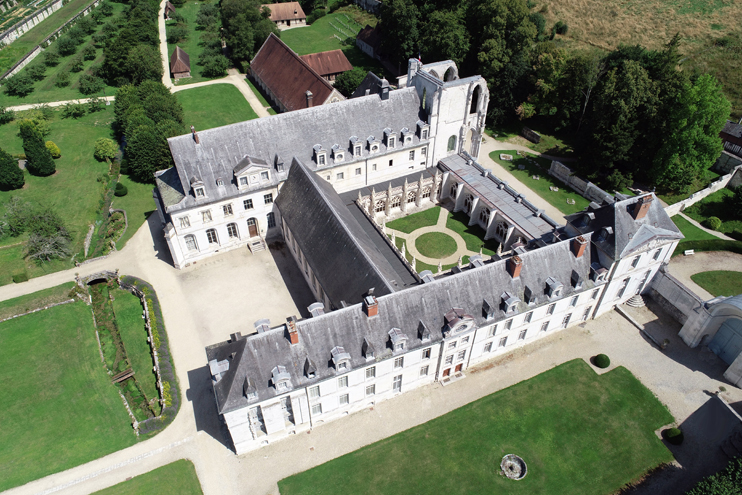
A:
<point x="709" y="245"/>
<point x="726" y="482"/>
<point x="602" y="361"/>
<point x="673" y="435"/>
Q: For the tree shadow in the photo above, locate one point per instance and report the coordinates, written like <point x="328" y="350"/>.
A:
<point x="201" y="396"/>
<point x="294" y="281"/>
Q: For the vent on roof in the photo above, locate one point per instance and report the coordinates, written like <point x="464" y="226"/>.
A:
<point x="422" y="332"/>
<point x="554" y="287"/>
<point x="488" y="310"/>
<point x="316" y="309"/>
<point x="367" y="349"/>
<point x="262" y="326"/>
<point x="195" y="135"/>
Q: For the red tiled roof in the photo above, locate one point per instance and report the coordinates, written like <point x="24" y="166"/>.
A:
<point x="287" y="76"/>
<point x="325" y="63"/>
<point x="180" y="61"/>
<point x="285" y="11"/>
<point x="370" y="36"/>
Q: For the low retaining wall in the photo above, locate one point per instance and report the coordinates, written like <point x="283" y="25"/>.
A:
<point x="20" y="28"/>
<point x="674" y="297"/>
<point x="732" y="179"/>
<point x="585" y="188"/>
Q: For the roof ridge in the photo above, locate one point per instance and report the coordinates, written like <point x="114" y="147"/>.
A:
<point x="300" y="60"/>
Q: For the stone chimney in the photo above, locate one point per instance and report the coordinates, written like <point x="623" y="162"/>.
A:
<point x="309" y="98"/>
<point x="195" y="136"/>
<point x="515" y="264"/>
<point x="384" y="89"/>
<point x="370" y="304"/>
<point x="641" y="207"/>
<point x="293" y="332"/>
<point x="578" y="246"/>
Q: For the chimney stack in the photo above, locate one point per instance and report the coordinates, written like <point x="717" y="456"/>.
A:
<point x="641" y="207"/>
<point x="195" y="136"/>
<point x="578" y="246"/>
<point x="515" y="264"/>
<point x="309" y="98"/>
<point x="370" y="304"/>
<point x="293" y="332"/>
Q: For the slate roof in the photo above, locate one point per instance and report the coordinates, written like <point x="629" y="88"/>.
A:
<point x="255" y="356"/>
<point x="287" y="76"/>
<point x="285" y="136"/>
<point x="372" y="82"/>
<point x="732" y="128"/>
<point x="527" y="217"/>
<point x="370" y="36"/>
<point x="326" y="63"/>
<point x="287" y="11"/>
<point x="179" y="61"/>
<point x="626" y="234"/>
<point x="344" y="259"/>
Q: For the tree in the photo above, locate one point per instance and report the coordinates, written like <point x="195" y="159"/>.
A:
<point x="89" y="52"/>
<point x="51" y="57"/>
<point x="6" y="116"/>
<point x="66" y="46"/>
<point x="53" y="149"/>
<point x="90" y="84"/>
<point x="77" y="64"/>
<point x="19" y="85"/>
<point x="216" y="66"/>
<point x="347" y="82"/>
<point x="48" y="237"/>
<point x="246" y="26"/>
<point x="36" y="72"/>
<point x="400" y="24"/>
<point x="11" y="176"/>
<point x="208" y="16"/>
<point x="445" y="37"/>
<point x="143" y="153"/>
<point x="105" y="149"/>
<point x="176" y="34"/>
<point x="144" y="63"/>
<point x="40" y="161"/>
<point x="62" y="79"/>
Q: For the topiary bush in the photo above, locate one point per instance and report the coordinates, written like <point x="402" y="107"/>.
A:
<point x="602" y="361"/>
<point x="714" y="223"/>
<point x="53" y="149"/>
<point x="673" y="435"/>
<point x="105" y="148"/>
<point x="20" y="277"/>
<point x="121" y="190"/>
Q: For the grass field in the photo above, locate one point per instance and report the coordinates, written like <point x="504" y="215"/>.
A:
<point x="690" y="231"/>
<point x="213" y="106"/>
<point x="718" y="205"/>
<point x="73" y="191"/>
<point x="59" y="408"/>
<point x="577" y="431"/>
<point x="559" y="198"/>
<point x="720" y="283"/>
<point x="39" y="299"/>
<point x="411" y="223"/>
<point x="473" y="235"/>
<point x="128" y="311"/>
<point x="261" y="97"/>
<point x="192" y="46"/>
<point x="139" y="205"/>
<point x="177" y="478"/>
<point x="435" y="245"/>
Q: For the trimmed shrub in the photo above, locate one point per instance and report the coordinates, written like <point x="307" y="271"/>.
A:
<point x="714" y="223"/>
<point x="73" y="110"/>
<point x="62" y="80"/>
<point x="11" y="176"/>
<point x="602" y="361"/>
<point x="20" y="277"/>
<point x="53" y="149"/>
<point x="673" y="435"/>
<point x="561" y="27"/>
<point x="121" y="190"/>
<point x="105" y="148"/>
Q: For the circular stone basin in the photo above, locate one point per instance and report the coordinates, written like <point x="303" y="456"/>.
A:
<point x="436" y="245"/>
<point x="513" y="467"/>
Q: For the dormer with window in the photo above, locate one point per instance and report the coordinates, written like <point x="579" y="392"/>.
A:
<point x="249" y="389"/>
<point x="398" y="339"/>
<point x="529" y="296"/>
<point x="598" y="273"/>
<point x="605" y="233"/>
<point x="199" y="190"/>
<point x="554" y="288"/>
<point x="340" y="359"/>
<point x="576" y="280"/>
<point x="251" y="171"/>
<point x="406" y="136"/>
<point x="310" y="370"/>
<point x="509" y="302"/>
<point x="320" y="155"/>
<point x="488" y="310"/>
<point x="337" y="153"/>
<point x="281" y="379"/>
<point x="373" y="144"/>
<point x="390" y="139"/>
<point x="220" y="182"/>
<point x="423" y="333"/>
<point x="356" y="146"/>
<point x="423" y="130"/>
<point x="457" y="322"/>
<point x="217" y="369"/>
<point x="278" y="164"/>
<point x="368" y="350"/>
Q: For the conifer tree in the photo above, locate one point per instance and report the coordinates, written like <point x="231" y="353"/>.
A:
<point x="40" y="161"/>
<point x="11" y="177"/>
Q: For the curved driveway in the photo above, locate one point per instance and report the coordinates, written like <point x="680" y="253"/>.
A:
<point x="682" y="267"/>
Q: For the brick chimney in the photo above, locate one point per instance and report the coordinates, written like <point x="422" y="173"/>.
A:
<point x="293" y="332"/>
<point x="195" y="136"/>
<point x="641" y="207"/>
<point x="370" y="304"/>
<point x="515" y="264"/>
<point x="309" y="98"/>
<point x="578" y="246"/>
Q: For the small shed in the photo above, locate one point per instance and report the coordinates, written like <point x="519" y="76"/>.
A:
<point x="180" y="64"/>
<point x="169" y="10"/>
<point x="287" y="15"/>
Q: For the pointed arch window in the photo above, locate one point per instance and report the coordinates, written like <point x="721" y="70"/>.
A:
<point x="451" y="143"/>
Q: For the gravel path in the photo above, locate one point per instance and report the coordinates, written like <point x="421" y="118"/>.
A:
<point x="682" y="267"/>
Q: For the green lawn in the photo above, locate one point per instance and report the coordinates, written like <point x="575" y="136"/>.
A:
<point x="59" y="408"/>
<point x="139" y="205"/>
<point x="690" y="231"/>
<point x="541" y="186"/>
<point x="193" y="45"/>
<point x="578" y="432"/>
<point x="176" y="478"/>
<point x="473" y="235"/>
<point x="720" y="283"/>
<point x="128" y="310"/>
<point x="718" y="204"/>
<point x="214" y="106"/>
<point x="552" y="143"/>
<point x="73" y="191"/>
<point x="36" y="300"/>
<point x="261" y="97"/>
<point x="421" y="265"/>
<point x="436" y="245"/>
<point x="411" y="223"/>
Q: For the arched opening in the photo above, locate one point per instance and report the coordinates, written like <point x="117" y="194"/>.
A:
<point x="450" y="74"/>
<point x="451" y="143"/>
<point x="468" y="203"/>
<point x="727" y="343"/>
<point x="396" y="201"/>
<point x="434" y="74"/>
<point x="454" y="190"/>
<point x="379" y="206"/>
<point x="484" y="216"/>
<point x="232" y="231"/>
<point x="211" y="236"/>
<point x="411" y="196"/>
<point x="475" y="99"/>
<point x="426" y="192"/>
<point x="191" y="244"/>
<point x="501" y="230"/>
<point x="252" y="227"/>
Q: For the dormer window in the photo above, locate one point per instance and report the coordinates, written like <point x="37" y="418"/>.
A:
<point x="597" y="273"/>
<point x="406" y="136"/>
<point x="367" y="349"/>
<point x="264" y="176"/>
<point x="529" y="296"/>
<point x="553" y="287"/>
<point x="398" y="339"/>
<point x="321" y="159"/>
<point x="249" y="389"/>
<point x="605" y="232"/>
<point x="281" y="378"/>
<point x="340" y="358"/>
<point x="200" y="192"/>
<point x="320" y="155"/>
<point x="220" y="182"/>
<point x="374" y="148"/>
<point x="310" y="370"/>
<point x="391" y="142"/>
<point x="337" y="153"/>
<point x="425" y="134"/>
<point x="488" y="310"/>
<point x="357" y="151"/>
<point x="509" y="302"/>
<point x="243" y="181"/>
<point x="576" y="280"/>
<point x="423" y="333"/>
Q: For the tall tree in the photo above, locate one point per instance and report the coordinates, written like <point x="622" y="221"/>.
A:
<point x="246" y="26"/>
<point x="444" y="37"/>
<point x="40" y="161"/>
<point x="11" y="176"/>
<point x="400" y="21"/>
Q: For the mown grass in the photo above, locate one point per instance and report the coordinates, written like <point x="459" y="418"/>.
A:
<point x="578" y="432"/>
<point x="29" y="302"/>
<point x="690" y="231"/>
<point x="138" y="204"/>
<point x="720" y="282"/>
<point x="718" y="204"/>
<point x="473" y="235"/>
<point x="193" y="46"/>
<point x="559" y="198"/>
<point x="261" y="97"/>
<point x="411" y="223"/>
<point x="551" y="143"/>
<point x="435" y="245"/>
<point x="176" y="478"/>
<point x="421" y="265"/>
<point x="214" y="106"/>
<point x="73" y="192"/>
<point x="59" y="408"/>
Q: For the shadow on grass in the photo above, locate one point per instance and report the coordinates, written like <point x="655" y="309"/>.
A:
<point x="473" y="235"/>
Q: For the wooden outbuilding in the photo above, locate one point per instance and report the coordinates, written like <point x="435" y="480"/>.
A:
<point x="180" y="64"/>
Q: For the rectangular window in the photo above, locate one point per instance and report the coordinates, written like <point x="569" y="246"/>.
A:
<point x="587" y="313"/>
<point x="316" y="409"/>
<point x="623" y="288"/>
<point x="211" y="236"/>
<point x="488" y="347"/>
<point x="314" y="392"/>
<point x="424" y="151"/>
<point x="200" y="193"/>
<point x="371" y="372"/>
<point x="544" y="326"/>
<point x="191" y="243"/>
<point x="265" y="176"/>
<point x="184" y="222"/>
<point x="492" y="331"/>
<point x="426" y="353"/>
<point x="449" y="359"/>
<point x="268" y="198"/>
<point x="373" y="167"/>
<point x="550" y="310"/>
<point x="412" y="155"/>
<point x="452" y="345"/>
<point x="206" y="216"/>
<point x="321" y="159"/>
<point x="461" y="355"/>
<point x="573" y="302"/>
<point x="343" y="382"/>
<point x="399" y="362"/>
<point x="425" y="134"/>
<point x="232" y="231"/>
<point x="391" y="163"/>
<point x="371" y="389"/>
<point x="358" y="171"/>
<point x="340" y="176"/>
<point x="509" y="324"/>
<point x="503" y="342"/>
<point x="399" y="346"/>
<point x="522" y="334"/>
<point x="595" y="293"/>
<point x="227" y="210"/>
<point x="358" y="151"/>
<point x="657" y="255"/>
<point x="271" y="220"/>
<point x="343" y="399"/>
<point x="528" y="317"/>
<point x="635" y="262"/>
<point x="464" y="340"/>
<point x="566" y="319"/>
<point x="424" y="371"/>
<point x="243" y="181"/>
<point x="247" y="204"/>
<point x="391" y="142"/>
<point x="397" y="384"/>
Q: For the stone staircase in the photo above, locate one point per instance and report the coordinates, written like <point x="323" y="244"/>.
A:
<point x="732" y="446"/>
<point x="636" y="302"/>
<point x="256" y="245"/>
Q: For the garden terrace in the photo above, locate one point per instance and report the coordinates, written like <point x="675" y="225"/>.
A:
<point x="564" y="423"/>
<point x="718" y="204"/>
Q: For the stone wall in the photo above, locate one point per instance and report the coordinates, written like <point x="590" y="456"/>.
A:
<point x="585" y="188"/>
<point x="674" y="297"/>
<point x="732" y="179"/>
<point x="20" y="28"/>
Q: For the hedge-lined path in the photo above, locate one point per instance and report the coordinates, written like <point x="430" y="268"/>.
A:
<point x="682" y="267"/>
<point x="714" y="233"/>
<point x="31" y="106"/>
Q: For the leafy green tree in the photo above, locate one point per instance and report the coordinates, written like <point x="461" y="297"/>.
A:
<point x="62" y="79"/>
<point x="11" y="176"/>
<point x="347" y="82"/>
<point x="48" y="237"/>
<point x="88" y="52"/>
<point x="208" y="16"/>
<point x="66" y="46"/>
<point x="143" y="153"/>
<point x="246" y="26"/>
<point x="216" y="66"/>
<point x="107" y="9"/>
<point x="40" y="161"/>
<point x="19" y="85"/>
<point x="144" y="64"/>
<point x="136" y="117"/>
<point x="176" y="34"/>
<point x="90" y="84"/>
<point x="6" y="116"/>
<point x="445" y="37"/>
<point x="77" y="64"/>
<point x="105" y="148"/>
<point x="400" y="24"/>
<point x="36" y="72"/>
<point x="126" y="97"/>
<point x="51" y="57"/>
